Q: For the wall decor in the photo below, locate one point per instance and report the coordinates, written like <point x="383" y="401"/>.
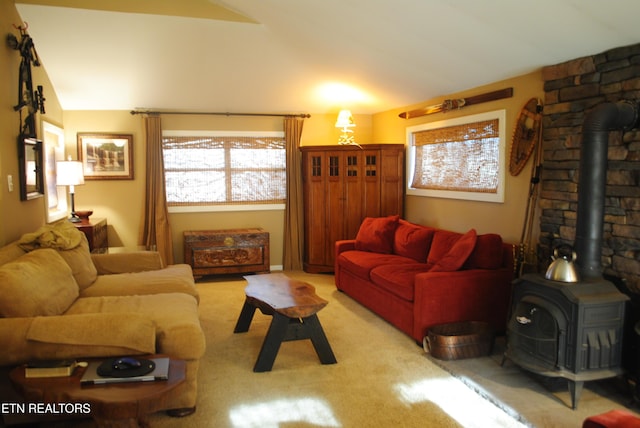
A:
<point x="32" y="99"/>
<point x="106" y="156"/>
<point x="525" y="135"/>
<point x="461" y="158"/>
<point x="30" y="166"/>
<point x="55" y="196"/>
<point x="457" y="104"/>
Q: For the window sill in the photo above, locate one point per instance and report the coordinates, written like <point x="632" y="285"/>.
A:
<point x="226" y="208"/>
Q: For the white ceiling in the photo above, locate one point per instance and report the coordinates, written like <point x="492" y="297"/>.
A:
<point x="388" y="53"/>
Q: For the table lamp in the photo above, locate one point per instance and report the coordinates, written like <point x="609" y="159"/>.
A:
<point x="70" y="173"/>
<point x="345" y="121"/>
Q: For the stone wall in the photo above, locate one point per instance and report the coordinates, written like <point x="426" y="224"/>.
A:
<point x="571" y="90"/>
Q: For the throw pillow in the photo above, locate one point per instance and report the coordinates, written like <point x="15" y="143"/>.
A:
<point x="40" y="283"/>
<point x="412" y="240"/>
<point x="376" y="234"/>
<point x="487" y="253"/>
<point x="457" y="254"/>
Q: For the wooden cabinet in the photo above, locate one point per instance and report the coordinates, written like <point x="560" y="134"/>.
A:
<point x="342" y="185"/>
<point x="227" y="251"/>
<point x="96" y="232"/>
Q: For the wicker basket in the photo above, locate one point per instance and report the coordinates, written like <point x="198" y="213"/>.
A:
<point x="460" y="340"/>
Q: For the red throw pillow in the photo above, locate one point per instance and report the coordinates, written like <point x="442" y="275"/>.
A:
<point x="457" y="254"/>
<point x="376" y="234"/>
<point x="412" y="240"/>
<point x="487" y="253"/>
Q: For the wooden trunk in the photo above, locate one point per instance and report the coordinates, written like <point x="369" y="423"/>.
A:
<point x="342" y="185"/>
<point x="211" y="252"/>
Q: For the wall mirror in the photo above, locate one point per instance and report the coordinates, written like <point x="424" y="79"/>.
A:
<point x="31" y="171"/>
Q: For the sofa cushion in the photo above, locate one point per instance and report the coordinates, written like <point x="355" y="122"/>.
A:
<point x="72" y="245"/>
<point x="37" y="283"/>
<point x="442" y="242"/>
<point x="10" y="252"/>
<point x="412" y="240"/>
<point x="376" y="234"/>
<point x="360" y="263"/>
<point x="128" y="332"/>
<point x="79" y="260"/>
<point x="487" y="253"/>
<point x="398" y="278"/>
<point x="172" y="279"/>
<point x="175" y="315"/>
<point x="457" y="254"/>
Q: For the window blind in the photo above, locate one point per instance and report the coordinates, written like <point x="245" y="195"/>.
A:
<point x="461" y="158"/>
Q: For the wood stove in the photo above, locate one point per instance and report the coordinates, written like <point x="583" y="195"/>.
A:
<point x="575" y="330"/>
<point x="568" y="330"/>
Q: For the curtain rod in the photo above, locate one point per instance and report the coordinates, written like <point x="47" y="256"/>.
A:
<point x="301" y="115"/>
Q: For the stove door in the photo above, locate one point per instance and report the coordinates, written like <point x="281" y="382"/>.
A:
<point x="534" y="333"/>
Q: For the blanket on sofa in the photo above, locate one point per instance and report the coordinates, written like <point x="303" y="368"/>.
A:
<point x="60" y="236"/>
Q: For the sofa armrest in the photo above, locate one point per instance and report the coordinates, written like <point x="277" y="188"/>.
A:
<point x="466" y="295"/>
<point x="134" y="261"/>
<point x="75" y="336"/>
<point x="344" y="245"/>
<point x="340" y="247"/>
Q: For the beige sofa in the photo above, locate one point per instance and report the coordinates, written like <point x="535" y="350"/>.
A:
<point x="57" y="300"/>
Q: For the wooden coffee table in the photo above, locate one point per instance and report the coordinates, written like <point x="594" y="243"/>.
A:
<point x="293" y="305"/>
<point x="113" y="405"/>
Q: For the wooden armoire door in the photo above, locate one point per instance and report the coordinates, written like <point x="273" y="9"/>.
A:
<point x="314" y="171"/>
<point x="343" y="185"/>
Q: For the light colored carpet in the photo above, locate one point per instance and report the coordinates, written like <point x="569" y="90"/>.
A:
<point x="382" y="378"/>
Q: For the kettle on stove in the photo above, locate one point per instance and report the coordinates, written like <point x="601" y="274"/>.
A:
<point x="562" y="267"/>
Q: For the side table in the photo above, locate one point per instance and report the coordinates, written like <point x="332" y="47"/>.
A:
<point x="113" y="405"/>
<point x="96" y="232"/>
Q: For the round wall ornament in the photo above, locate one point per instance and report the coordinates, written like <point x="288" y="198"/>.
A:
<point x="525" y="135"/>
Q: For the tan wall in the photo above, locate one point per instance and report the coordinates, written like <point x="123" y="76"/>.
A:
<point x="122" y="201"/>
<point x="16" y="216"/>
<point x="460" y="215"/>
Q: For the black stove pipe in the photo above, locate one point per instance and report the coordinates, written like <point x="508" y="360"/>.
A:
<point x="598" y="123"/>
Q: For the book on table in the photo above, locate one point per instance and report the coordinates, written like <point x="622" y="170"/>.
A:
<point x="50" y="368"/>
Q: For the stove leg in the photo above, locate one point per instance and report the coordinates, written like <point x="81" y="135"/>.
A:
<point x="575" y="388"/>
<point x="504" y="359"/>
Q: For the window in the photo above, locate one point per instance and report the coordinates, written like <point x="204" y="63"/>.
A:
<point x="205" y="169"/>
<point x="461" y="158"/>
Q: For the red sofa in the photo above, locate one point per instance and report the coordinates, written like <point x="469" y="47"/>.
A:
<point x="417" y="276"/>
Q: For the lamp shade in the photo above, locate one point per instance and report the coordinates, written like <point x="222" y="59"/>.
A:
<point x="69" y="173"/>
<point x="345" y="119"/>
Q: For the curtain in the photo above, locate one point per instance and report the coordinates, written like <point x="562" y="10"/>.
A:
<point x="293" y="218"/>
<point x="156" y="233"/>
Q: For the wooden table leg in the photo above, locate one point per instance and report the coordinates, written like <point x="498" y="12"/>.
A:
<point x="319" y="340"/>
<point x="245" y="318"/>
<point x="272" y="341"/>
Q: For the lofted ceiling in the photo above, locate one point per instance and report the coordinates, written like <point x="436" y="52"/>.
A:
<point x="305" y="56"/>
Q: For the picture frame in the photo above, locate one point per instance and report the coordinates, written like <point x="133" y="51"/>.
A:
<point x="54" y="151"/>
<point x="106" y="156"/>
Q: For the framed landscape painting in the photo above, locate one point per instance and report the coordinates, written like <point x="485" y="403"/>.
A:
<point x="106" y="156"/>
